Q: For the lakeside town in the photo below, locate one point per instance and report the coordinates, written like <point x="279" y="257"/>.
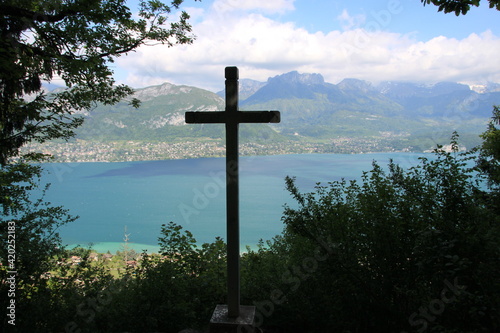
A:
<point x="122" y="151"/>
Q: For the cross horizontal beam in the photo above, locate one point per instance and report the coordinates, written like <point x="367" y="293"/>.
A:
<point x="223" y="117"/>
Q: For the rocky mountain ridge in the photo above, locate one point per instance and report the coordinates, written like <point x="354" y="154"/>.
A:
<point x="406" y="115"/>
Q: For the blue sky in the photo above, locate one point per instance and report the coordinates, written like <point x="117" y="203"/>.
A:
<point x="374" y="40"/>
<point x="406" y="17"/>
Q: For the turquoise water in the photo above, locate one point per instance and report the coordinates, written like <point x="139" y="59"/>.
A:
<point x="142" y="196"/>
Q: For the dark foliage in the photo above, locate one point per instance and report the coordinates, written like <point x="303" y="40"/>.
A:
<point x="74" y="41"/>
<point x="459" y="6"/>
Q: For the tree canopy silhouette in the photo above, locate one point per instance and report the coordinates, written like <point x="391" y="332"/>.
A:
<point x="459" y="6"/>
<point x="74" y="41"/>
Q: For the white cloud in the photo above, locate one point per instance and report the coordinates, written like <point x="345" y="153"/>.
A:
<point x="349" y="22"/>
<point x="262" y="47"/>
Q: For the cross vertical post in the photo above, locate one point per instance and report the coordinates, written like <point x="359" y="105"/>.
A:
<point x="231" y="117"/>
<point x="232" y="193"/>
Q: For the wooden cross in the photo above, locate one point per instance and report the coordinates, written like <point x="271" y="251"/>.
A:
<point x="232" y="118"/>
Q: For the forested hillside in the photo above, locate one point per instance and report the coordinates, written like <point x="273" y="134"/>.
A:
<point x="352" y="116"/>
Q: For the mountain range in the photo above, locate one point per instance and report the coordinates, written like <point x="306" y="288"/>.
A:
<point x="408" y="114"/>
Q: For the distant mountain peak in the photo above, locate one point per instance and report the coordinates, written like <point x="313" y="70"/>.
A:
<point x="398" y="90"/>
<point x="247" y="87"/>
<point x="485" y="88"/>
<point x="355" y="84"/>
<point x="166" y="88"/>
<point x="288" y="86"/>
<point x="296" y="77"/>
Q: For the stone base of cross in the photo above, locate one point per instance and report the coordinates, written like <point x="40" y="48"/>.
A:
<point x="231" y="117"/>
<point x="222" y="323"/>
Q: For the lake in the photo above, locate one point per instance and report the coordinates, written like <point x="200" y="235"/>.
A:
<point x="141" y="196"/>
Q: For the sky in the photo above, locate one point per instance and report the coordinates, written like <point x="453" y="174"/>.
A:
<point x="372" y="40"/>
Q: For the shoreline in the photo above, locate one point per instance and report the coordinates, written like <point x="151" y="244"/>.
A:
<point x="113" y="247"/>
<point x="82" y="151"/>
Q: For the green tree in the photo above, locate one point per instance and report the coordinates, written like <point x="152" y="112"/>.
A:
<point x="29" y="244"/>
<point x="75" y="41"/>
<point x="489" y="159"/>
<point x="410" y="250"/>
<point x="175" y="290"/>
<point x="459" y="6"/>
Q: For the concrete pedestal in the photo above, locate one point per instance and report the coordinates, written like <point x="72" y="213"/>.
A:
<point x="244" y="323"/>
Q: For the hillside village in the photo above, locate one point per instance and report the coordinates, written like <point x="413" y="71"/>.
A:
<point x="118" y="151"/>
